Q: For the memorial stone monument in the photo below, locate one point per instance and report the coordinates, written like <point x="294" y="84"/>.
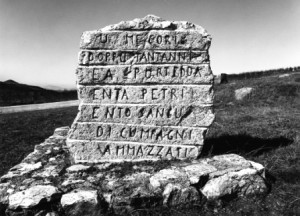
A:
<point x="145" y="91"/>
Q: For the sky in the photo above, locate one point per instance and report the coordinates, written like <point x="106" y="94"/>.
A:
<point x="39" y="39"/>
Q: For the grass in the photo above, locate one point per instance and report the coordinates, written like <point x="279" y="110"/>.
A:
<point x="20" y="132"/>
<point x="264" y="127"/>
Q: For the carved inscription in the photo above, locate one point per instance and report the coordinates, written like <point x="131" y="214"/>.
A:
<point x="184" y="94"/>
<point x="160" y="115"/>
<point x="103" y="151"/>
<point x="138" y="133"/>
<point x="145" y="40"/>
<point x="145" y="91"/>
<point x="103" y="57"/>
<point x="181" y="74"/>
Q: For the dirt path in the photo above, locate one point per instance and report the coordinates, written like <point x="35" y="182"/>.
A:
<point x="32" y="107"/>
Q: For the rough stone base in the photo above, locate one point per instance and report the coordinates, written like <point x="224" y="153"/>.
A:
<point x="46" y="183"/>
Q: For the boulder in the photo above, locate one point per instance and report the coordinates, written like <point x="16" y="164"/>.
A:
<point x="33" y="196"/>
<point x="240" y="183"/>
<point x="241" y="93"/>
<point x="81" y="203"/>
<point x="284" y="75"/>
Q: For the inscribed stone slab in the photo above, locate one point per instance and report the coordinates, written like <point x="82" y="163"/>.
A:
<point x="145" y="91"/>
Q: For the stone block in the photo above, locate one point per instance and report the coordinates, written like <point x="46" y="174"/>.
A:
<point x="101" y="151"/>
<point x="33" y="196"/>
<point x="146" y="85"/>
<point x="138" y="133"/>
<point x="154" y="39"/>
<point x="154" y="94"/>
<point x="145" y="74"/>
<point x="155" y="115"/>
<point x="117" y="57"/>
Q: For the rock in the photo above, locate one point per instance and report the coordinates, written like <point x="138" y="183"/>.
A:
<point x="21" y="169"/>
<point x="241" y="93"/>
<point x="3" y="197"/>
<point x="284" y="75"/>
<point x="49" y="171"/>
<point x="25" y="167"/>
<point x="33" y="196"/>
<point x="69" y="182"/>
<point x="166" y="176"/>
<point x="52" y="159"/>
<point x="78" y="168"/>
<point x="240" y="183"/>
<point x="176" y="194"/>
<point x="62" y="131"/>
<point x="196" y="171"/>
<point x="103" y="166"/>
<point x="137" y="177"/>
<point x="52" y="214"/>
<point x="228" y="163"/>
<point x="81" y="202"/>
<point x="3" y="193"/>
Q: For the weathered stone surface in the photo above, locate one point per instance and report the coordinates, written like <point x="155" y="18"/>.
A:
<point x="243" y="182"/>
<point x="198" y="170"/>
<point x="77" y="168"/>
<point x="3" y="197"/>
<point x="146" y="74"/>
<point x="241" y="93"/>
<point x="143" y="84"/>
<point x="155" y="115"/>
<point x="154" y="94"/>
<point x="79" y="196"/>
<point x="91" y="189"/>
<point x="93" y="57"/>
<point x="70" y="182"/>
<point x="62" y="131"/>
<point x="49" y="171"/>
<point x="32" y="196"/>
<point x="138" y="133"/>
<point x="152" y="22"/>
<point x="118" y="152"/>
<point x="154" y="39"/>
<point x="176" y="195"/>
<point x="81" y="202"/>
<point x="166" y="176"/>
<point x="21" y="169"/>
<point x="150" y="32"/>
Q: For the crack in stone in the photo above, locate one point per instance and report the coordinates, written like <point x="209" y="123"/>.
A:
<point x="189" y="110"/>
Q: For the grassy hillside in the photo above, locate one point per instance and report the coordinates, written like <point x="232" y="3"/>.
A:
<point x="258" y="74"/>
<point x="264" y="127"/>
<point x="13" y="93"/>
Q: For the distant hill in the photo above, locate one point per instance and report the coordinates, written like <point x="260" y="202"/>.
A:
<point x="14" y="93"/>
<point x="263" y="73"/>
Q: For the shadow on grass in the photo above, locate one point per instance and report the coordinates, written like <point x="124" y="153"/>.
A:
<point x="242" y="144"/>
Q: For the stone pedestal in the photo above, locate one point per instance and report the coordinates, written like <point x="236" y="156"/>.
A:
<point x="46" y="183"/>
